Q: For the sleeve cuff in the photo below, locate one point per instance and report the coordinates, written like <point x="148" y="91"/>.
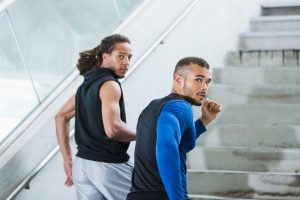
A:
<point x="200" y="128"/>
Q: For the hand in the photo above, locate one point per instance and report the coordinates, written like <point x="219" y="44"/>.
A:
<point x="210" y="109"/>
<point x="68" y="172"/>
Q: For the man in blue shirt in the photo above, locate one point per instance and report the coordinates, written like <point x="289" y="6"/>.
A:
<point x="166" y="132"/>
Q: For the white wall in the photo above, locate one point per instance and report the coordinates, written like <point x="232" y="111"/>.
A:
<point x="208" y="31"/>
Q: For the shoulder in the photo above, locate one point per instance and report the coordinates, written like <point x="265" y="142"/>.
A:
<point x="179" y="111"/>
<point x="110" y="88"/>
<point x="111" y="84"/>
<point x="180" y="108"/>
<point x="178" y="105"/>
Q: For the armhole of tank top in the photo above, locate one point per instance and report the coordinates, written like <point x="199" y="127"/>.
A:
<point x="108" y="79"/>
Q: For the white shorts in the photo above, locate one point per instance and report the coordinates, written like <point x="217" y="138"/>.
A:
<point x="102" y="181"/>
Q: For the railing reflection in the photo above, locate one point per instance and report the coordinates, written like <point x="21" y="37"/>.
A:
<point x="39" y="44"/>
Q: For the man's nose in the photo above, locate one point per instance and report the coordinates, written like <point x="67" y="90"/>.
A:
<point x="126" y="61"/>
<point x="204" y="86"/>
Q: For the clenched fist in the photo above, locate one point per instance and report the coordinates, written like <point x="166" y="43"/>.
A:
<point x="210" y="110"/>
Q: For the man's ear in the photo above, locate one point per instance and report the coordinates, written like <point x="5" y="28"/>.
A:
<point x="105" y="59"/>
<point x="105" y="56"/>
<point x="178" y="78"/>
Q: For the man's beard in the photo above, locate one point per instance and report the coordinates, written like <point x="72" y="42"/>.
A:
<point x="115" y="72"/>
<point x="192" y="101"/>
<point x="189" y="99"/>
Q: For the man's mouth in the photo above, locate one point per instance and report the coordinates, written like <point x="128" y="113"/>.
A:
<point x="124" y="71"/>
<point x="202" y="94"/>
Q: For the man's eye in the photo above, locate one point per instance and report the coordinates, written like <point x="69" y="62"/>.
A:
<point x="121" y="56"/>
<point x="199" y="79"/>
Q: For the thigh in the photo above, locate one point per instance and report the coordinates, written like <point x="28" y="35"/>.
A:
<point x="113" y="180"/>
<point x="85" y="189"/>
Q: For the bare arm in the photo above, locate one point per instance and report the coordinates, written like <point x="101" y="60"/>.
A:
<point x="115" y="128"/>
<point x="62" y="120"/>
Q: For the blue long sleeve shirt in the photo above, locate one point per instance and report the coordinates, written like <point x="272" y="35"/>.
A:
<point x="176" y="135"/>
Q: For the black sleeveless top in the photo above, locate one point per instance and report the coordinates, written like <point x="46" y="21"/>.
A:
<point x="91" y="139"/>
<point x="146" y="181"/>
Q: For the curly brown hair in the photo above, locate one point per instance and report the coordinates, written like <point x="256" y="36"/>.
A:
<point x="91" y="59"/>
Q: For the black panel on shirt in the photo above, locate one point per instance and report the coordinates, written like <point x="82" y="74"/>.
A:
<point x="90" y="136"/>
<point x="146" y="181"/>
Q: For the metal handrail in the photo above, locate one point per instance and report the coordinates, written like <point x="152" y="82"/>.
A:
<point x="4" y="4"/>
<point x="35" y="171"/>
<point x="27" y="180"/>
<point x="160" y="39"/>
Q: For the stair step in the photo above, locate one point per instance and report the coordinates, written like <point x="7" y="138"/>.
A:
<point x="283" y="7"/>
<point x="261" y="99"/>
<point x="245" y="159"/>
<point x="276" y="23"/>
<point x="210" y="197"/>
<point x="252" y="114"/>
<point x="256" y="75"/>
<point x="284" y="40"/>
<point x="264" y="58"/>
<point x="240" y="135"/>
<point x="229" y="94"/>
<point x="244" y="184"/>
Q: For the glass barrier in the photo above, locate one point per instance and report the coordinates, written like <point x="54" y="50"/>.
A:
<point x="50" y="35"/>
<point x="17" y="96"/>
<point x="125" y="7"/>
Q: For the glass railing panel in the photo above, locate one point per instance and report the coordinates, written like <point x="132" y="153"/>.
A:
<point x="17" y="96"/>
<point x="50" y="34"/>
<point x="125" y="7"/>
<point x="89" y="21"/>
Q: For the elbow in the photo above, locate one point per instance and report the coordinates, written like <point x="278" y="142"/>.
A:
<point x="113" y="131"/>
<point x="60" y="118"/>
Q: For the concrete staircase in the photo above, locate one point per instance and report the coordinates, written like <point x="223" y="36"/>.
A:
<point x="252" y="151"/>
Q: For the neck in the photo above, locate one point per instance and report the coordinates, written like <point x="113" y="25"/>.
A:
<point x="176" y="90"/>
<point x="179" y="92"/>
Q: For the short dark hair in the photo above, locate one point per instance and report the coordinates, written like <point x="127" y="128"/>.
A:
<point x="91" y="59"/>
<point x="190" y="60"/>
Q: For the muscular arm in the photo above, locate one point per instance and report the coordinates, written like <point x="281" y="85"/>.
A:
<point x="115" y="128"/>
<point x="172" y="122"/>
<point x="62" y="120"/>
<point x="167" y="156"/>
